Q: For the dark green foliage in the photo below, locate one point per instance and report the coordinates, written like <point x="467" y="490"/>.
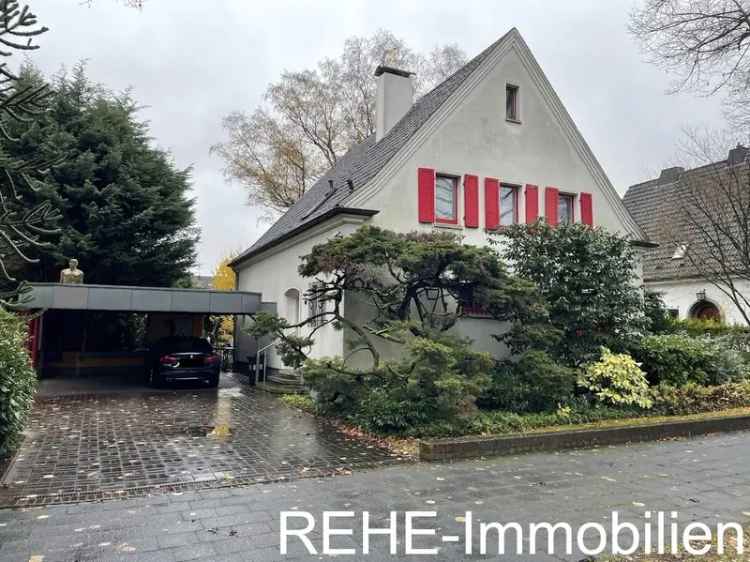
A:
<point x="126" y="210"/>
<point x="290" y="346"/>
<point x="26" y="223"/>
<point x="660" y="321"/>
<point x="697" y="327"/>
<point x="533" y="383"/>
<point x="416" y="286"/>
<point x="679" y="359"/>
<point x="438" y="379"/>
<point x="417" y="278"/>
<point x="17" y="380"/>
<point x="587" y="279"/>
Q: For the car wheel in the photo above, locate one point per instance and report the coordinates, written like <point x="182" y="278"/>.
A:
<point x="213" y="381"/>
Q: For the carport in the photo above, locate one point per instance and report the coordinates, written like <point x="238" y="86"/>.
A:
<point x="75" y="325"/>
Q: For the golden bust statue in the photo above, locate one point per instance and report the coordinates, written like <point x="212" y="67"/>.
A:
<point x="71" y="274"/>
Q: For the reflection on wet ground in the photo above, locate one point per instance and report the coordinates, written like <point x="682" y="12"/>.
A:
<point x="94" y="446"/>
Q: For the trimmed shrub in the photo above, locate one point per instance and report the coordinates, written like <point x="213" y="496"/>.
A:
<point x="535" y="383"/>
<point x="696" y="327"/>
<point x="17" y="380"/>
<point x="694" y="399"/>
<point x="336" y="391"/>
<point x="438" y="380"/>
<point x="616" y="379"/>
<point x="660" y="321"/>
<point x="678" y="359"/>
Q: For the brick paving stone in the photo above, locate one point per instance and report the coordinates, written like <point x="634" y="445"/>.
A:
<point x="107" y="446"/>
<point x="698" y="478"/>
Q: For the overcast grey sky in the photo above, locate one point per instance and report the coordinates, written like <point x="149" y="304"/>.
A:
<point x="192" y="61"/>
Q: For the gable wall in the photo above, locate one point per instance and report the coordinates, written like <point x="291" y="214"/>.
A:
<point x="477" y="139"/>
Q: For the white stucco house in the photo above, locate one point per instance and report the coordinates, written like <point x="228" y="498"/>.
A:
<point x="658" y="205"/>
<point x="490" y="146"/>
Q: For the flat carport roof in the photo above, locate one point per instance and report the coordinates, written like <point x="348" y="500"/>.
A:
<point x="140" y="299"/>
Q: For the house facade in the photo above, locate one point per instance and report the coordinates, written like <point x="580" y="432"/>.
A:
<point x="490" y="146"/>
<point x="675" y="211"/>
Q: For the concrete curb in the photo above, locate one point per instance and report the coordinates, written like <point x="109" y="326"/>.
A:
<point x="498" y="445"/>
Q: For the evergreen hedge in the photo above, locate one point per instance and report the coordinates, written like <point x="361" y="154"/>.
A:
<point x="17" y="380"/>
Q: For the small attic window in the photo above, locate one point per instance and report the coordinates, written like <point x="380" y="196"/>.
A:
<point x="511" y="103"/>
<point x="680" y="251"/>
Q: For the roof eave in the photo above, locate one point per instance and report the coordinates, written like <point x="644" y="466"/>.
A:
<point x="643" y="244"/>
<point x="336" y="211"/>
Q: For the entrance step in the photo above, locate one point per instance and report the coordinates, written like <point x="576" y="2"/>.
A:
<point x="284" y="377"/>
<point x="276" y="388"/>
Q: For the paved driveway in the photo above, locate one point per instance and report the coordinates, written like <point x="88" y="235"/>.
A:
<point x="705" y="479"/>
<point x="98" y="446"/>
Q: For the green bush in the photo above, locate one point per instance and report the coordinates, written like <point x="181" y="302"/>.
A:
<point x="300" y="401"/>
<point x="17" y="380"/>
<point x="336" y="391"/>
<point x="697" y="327"/>
<point x="694" y="399"/>
<point x="679" y="359"/>
<point x="660" y="321"/>
<point x="437" y="380"/>
<point x="616" y="379"/>
<point x="496" y="422"/>
<point x="535" y="383"/>
<point x="587" y="277"/>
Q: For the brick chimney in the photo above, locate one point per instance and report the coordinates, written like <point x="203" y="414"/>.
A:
<point x="737" y="155"/>
<point x="669" y="175"/>
<point x="394" y="98"/>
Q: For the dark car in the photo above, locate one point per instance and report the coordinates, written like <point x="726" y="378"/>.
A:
<point x="179" y="358"/>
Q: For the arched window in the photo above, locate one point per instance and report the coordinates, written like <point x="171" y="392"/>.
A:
<point x="291" y="306"/>
<point x="705" y="310"/>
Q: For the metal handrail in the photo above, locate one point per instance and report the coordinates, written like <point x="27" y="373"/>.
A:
<point x="265" y="360"/>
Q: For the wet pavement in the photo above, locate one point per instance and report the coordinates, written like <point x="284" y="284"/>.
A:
<point x="703" y="479"/>
<point x="82" y="447"/>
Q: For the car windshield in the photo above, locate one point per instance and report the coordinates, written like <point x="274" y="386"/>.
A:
<point x="184" y="345"/>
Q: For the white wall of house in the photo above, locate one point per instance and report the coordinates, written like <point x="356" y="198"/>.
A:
<point x="274" y="274"/>
<point x="476" y="139"/>
<point x="681" y="295"/>
<point x="468" y="135"/>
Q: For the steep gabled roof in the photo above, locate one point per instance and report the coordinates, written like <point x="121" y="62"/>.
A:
<point x="365" y="160"/>
<point x="362" y="162"/>
<point x="658" y="207"/>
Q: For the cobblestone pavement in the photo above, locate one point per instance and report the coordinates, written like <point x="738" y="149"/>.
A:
<point x="97" y="446"/>
<point x="705" y="478"/>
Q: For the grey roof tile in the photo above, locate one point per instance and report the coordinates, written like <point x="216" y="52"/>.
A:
<point x="658" y="206"/>
<point x="363" y="161"/>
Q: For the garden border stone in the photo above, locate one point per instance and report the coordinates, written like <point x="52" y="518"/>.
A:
<point x="449" y="449"/>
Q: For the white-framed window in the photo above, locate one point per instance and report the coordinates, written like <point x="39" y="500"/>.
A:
<point x="508" y="204"/>
<point x="566" y="208"/>
<point x="446" y="199"/>
<point x="512" y="112"/>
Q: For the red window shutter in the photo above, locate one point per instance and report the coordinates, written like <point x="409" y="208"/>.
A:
<point x="471" y="201"/>
<point x="532" y="203"/>
<point x="587" y="209"/>
<point x="551" y="196"/>
<point x="426" y="194"/>
<point x="491" y="203"/>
